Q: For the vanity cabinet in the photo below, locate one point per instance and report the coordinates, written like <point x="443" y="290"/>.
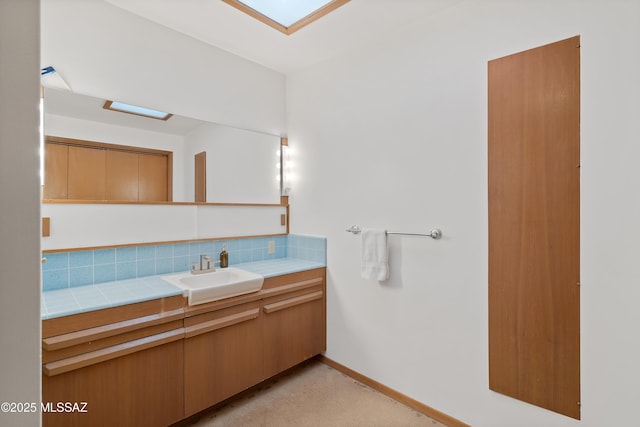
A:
<point x="157" y="362"/>
<point x="118" y="366"/>
<point x="233" y="344"/>
<point x="222" y="351"/>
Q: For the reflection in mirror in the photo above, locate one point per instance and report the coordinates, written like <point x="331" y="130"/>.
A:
<point x="242" y="166"/>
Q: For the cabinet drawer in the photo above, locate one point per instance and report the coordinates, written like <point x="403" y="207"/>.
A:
<point x="94" y="343"/>
<point x="109" y="316"/>
<point x="220" y="319"/>
<point x="293" y="301"/>
<point x="108" y="353"/>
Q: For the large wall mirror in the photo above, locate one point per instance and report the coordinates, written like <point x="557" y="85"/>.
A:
<point x="241" y="166"/>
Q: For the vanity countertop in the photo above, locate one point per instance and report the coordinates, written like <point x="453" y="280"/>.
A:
<point x="63" y="302"/>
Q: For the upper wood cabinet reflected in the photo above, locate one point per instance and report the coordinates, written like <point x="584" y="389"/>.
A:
<point x="86" y="170"/>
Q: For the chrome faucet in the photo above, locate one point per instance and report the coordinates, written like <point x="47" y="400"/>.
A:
<point x="203" y="259"/>
<point x="205" y="265"/>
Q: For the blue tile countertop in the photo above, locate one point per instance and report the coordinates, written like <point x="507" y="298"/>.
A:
<point x="63" y="302"/>
<point x="279" y="266"/>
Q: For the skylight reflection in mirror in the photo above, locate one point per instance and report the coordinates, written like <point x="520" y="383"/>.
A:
<point x="134" y="109"/>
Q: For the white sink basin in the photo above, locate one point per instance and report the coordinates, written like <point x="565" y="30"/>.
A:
<point x="219" y="284"/>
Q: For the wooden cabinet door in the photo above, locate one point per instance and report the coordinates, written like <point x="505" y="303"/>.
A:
<point x="56" y="160"/>
<point x="141" y="389"/>
<point x="152" y="178"/>
<point x="86" y="175"/>
<point x="121" y="176"/>
<point x="294" y="329"/>
<point x="534" y="226"/>
<point x="222" y="355"/>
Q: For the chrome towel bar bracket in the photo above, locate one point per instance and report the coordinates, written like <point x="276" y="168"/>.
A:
<point x="435" y="233"/>
<point x="353" y="229"/>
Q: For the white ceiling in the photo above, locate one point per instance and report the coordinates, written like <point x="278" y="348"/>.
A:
<point x="357" y="23"/>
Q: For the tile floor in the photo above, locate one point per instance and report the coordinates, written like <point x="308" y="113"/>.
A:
<point x="314" y="395"/>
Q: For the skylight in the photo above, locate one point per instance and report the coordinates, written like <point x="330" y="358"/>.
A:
<point x="286" y="16"/>
<point x="134" y="109"/>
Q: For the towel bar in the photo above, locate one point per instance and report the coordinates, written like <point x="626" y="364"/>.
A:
<point x="435" y="233"/>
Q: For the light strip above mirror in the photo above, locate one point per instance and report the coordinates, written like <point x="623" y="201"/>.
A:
<point x="121" y="107"/>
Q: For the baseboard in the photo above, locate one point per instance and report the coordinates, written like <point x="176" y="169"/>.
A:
<point x="395" y="395"/>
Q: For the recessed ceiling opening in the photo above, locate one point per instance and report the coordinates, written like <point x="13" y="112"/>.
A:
<point x="286" y="16"/>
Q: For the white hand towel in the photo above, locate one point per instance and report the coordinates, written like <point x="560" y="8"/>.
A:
<point x="375" y="262"/>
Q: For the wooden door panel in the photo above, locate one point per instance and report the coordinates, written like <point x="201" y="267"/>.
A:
<point x="86" y="173"/>
<point x="534" y="226"/>
<point x="294" y="329"/>
<point x="200" y="167"/>
<point x="153" y="178"/>
<point x="56" y="159"/>
<point x="225" y="360"/>
<point x="121" y="175"/>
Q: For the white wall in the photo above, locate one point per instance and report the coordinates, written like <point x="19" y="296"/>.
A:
<point x="231" y="221"/>
<point x="69" y="127"/>
<point x="19" y="210"/>
<point x="241" y="164"/>
<point x="91" y="225"/>
<point x="395" y="136"/>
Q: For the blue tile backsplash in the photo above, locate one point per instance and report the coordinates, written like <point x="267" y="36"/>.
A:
<point x="307" y="247"/>
<point x="79" y="268"/>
